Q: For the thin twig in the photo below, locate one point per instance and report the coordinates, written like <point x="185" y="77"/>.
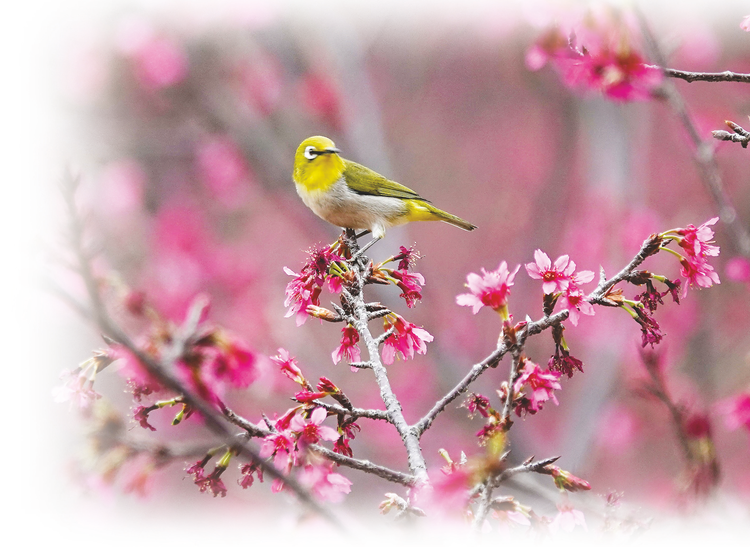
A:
<point x="726" y="76"/>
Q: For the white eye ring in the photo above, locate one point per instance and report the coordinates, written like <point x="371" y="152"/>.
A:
<point x="311" y="153"/>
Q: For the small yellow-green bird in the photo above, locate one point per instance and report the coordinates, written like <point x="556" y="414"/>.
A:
<point x="350" y="195"/>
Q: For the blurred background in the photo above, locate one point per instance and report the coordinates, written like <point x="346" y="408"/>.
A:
<point x="182" y="121"/>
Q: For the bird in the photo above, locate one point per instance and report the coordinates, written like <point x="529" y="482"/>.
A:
<point x="350" y="195"/>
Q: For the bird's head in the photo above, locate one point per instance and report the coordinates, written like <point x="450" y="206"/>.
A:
<point x="317" y="163"/>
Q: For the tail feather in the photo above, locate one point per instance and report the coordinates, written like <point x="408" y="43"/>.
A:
<point x="454" y="220"/>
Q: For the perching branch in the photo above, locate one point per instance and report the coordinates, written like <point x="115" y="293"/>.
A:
<point x="359" y="320"/>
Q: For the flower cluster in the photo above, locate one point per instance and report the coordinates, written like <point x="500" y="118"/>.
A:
<point x="536" y="387"/>
<point x="601" y="54"/>
<point x="304" y="290"/>
<point x="697" y="244"/>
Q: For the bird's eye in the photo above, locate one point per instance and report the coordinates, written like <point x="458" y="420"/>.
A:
<point x="311" y="153"/>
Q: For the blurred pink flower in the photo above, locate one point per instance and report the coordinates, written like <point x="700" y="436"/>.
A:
<point x="745" y="24"/>
<point x="261" y="83"/>
<point x="599" y="55"/>
<point x="736" y="411"/>
<point x="738" y="269"/>
<point x="324" y="483"/>
<point x="405" y="340"/>
<point x="348" y="348"/>
<point x="140" y="415"/>
<point x="160" y="62"/>
<point x="123" y="182"/>
<point x="491" y="289"/>
<point x="567" y="519"/>
<point x="233" y="362"/>
<point x="321" y="97"/>
<point x="247" y="471"/>
<point x="224" y="170"/>
<point x="77" y="388"/>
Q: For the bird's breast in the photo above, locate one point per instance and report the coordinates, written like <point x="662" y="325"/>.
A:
<point x="343" y="207"/>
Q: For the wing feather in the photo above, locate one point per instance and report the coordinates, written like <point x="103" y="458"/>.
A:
<point x="367" y="182"/>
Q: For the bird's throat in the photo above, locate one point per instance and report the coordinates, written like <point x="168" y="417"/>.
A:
<point x="320" y="174"/>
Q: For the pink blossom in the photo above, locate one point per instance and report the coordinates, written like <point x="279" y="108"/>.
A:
<point x="574" y="300"/>
<point x="567" y="519"/>
<point x="341" y="446"/>
<point x="304" y="290"/>
<point x="650" y="329"/>
<point x="76" y="388"/>
<point x="213" y="483"/>
<point x="698" y="241"/>
<point x="311" y="432"/>
<point x="324" y="483"/>
<point x="599" y="54"/>
<point x="477" y="403"/>
<point x="736" y="411"/>
<point x="491" y="289"/>
<point x="279" y="445"/>
<point x="562" y="361"/>
<point x="407" y="257"/>
<point x="247" y="471"/>
<point x="288" y="366"/>
<point x="405" y="339"/>
<point x="745" y="24"/>
<point x="348" y="348"/>
<point x="541" y="384"/>
<point x="555" y="277"/>
<point x="698" y="273"/>
<point x="140" y="415"/>
<point x="410" y="285"/>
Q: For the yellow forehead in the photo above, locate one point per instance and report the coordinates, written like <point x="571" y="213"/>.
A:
<point x="320" y="143"/>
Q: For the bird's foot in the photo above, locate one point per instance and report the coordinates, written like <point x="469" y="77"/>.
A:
<point x="359" y="253"/>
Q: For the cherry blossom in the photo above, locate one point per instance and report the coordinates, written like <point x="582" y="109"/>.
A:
<point x="348" y="348"/>
<point x="310" y="432"/>
<point x="490" y="289"/>
<point x="405" y="340"/>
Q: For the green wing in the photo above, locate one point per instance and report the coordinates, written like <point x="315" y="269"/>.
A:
<point x="367" y="182"/>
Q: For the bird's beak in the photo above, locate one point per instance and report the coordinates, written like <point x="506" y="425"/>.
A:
<point x="331" y="151"/>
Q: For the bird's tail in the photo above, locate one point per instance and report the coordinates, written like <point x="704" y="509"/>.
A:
<point x="422" y="210"/>
<point x="439" y="214"/>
